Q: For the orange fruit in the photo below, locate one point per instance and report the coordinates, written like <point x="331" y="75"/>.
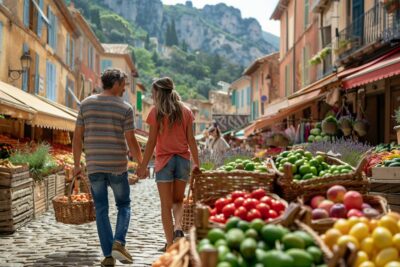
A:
<point x="342" y="225"/>
<point x="360" y="231"/>
<point x="382" y="237"/>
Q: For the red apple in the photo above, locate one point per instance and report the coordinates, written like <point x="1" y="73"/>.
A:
<point x="237" y="194"/>
<point x="220" y="218"/>
<point x="228" y="210"/>
<point x="250" y="203"/>
<point x="338" y="211"/>
<point x="277" y="206"/>
<point x="272" y="214"/>
<point x="213" y="212"/>
<point x="353" y="200"/>
<point x="241" y="212"/>
<point x="253" y="214"/>
<point x="263" y="209"/>
<point x="316" y="201"/>
<point x="326" y="205"/>
<point x="239" y="202"/>
<point x="319" y="214"/>
<point x="267" y="200"/>
<point x="336" y="193"/>
<point x="354" y="213"/>
<point x="220" y="204"/>
<point x="258" y="194"/>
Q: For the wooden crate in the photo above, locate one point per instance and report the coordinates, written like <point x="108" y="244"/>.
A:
<point x="40" y="198"/>
<point x="60" y="183"/>
<point x="392" y="199"/>
<point x="16" y="206"/>
<point x="51" y="187"/>
<point x="386" y="174"/>
<point x="10" y="177"/>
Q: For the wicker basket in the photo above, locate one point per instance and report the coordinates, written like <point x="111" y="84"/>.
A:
<point x="70" y="212"/>
<point x="211" y="185"/>
<point x="209" y="258"/>
<point x="322" y="225"/>
<point x="188" y="210"/>
<point x="291" y="189"/>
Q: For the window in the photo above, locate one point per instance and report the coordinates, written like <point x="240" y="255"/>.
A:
<point x="68" y="50"/>
<point x="306" y="66"/>
<point x="26" y="12"/>
<point x="25" y="74"/>
<point x="37" y="76"/>
<point x="287" y="30"/>
<point x="306" y="13"/>
<point x="52" y="29"/>
<point x="287" y="80"/>
<point x="1" y="37"/>
<point x="248" y="96"/>
<point x="51" y="88"/>
<point x="40" y="18"/>
<point x="105" y="64"/>
<point x="242" y="99"/>
<point x="90" y="57"/>
<point x="69" y="93"/>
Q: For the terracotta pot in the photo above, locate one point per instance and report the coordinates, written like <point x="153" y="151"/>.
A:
<point x="397" y="129"/>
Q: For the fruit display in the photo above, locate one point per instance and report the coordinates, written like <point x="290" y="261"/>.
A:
<point x="384" y="155"/>
<point x="340" y="203"/>
<point x="377" y="240"/>
<point x="246" y="165"/>
<point x="256" y="243"/>
<point x="248" y="206"/>
<point x="81" y="197"/>
<point x="317" y="135"/>
<point x="305" y="166"/>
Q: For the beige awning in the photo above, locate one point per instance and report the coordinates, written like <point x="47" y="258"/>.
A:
<point x="12" y="107"/>
<point x="47" y="115"/>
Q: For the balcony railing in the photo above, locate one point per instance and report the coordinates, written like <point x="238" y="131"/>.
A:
<point x="377" y="25"/>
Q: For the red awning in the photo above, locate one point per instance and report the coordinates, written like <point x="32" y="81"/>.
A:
<point x="378" y="69"/>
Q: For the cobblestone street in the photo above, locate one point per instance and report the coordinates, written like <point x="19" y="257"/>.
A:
<point x="44" y="242"/>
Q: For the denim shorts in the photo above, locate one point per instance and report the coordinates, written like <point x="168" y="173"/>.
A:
<point x="177" y="168"/>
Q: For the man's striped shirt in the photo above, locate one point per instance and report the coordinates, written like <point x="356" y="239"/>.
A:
<point x="105" y="119"/>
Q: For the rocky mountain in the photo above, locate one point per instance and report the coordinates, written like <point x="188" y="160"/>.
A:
<point x="218" y="29"/>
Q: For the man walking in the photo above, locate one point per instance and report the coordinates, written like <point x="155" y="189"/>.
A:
<point x="105" y="127"/>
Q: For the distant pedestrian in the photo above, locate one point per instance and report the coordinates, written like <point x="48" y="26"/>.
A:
<point x="218" y="145"/>
<point x="171" y="133"/>
<point x="105" y="127"/>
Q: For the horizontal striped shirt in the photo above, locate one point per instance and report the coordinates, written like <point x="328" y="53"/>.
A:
<point x="105" y="120"/>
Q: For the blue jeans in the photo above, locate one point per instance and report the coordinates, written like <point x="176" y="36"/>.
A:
<point x="120" y="186"/>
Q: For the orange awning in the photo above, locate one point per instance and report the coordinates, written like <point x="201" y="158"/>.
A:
<point x="14" y="108"/>
<point x="293" y="105"/>
<point x="47" y="115"/>
<point x="378" y="69"/>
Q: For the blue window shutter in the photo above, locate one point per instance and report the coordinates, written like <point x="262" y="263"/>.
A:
<point x="25" y="75"/>
<point x="67" y="49"/>
<point x="54" y="77"/>
<point x="50" y="26"/>
<point x="40" y="20"/>
<point x="47" y="79"/>
<point x="26" y="12"/>
<point x="233" y="97"/>
<point x="55" y="29"/>
<point x="103" y="65"/>
<point x="1" y="37"/>
<point x="72" y="61"/>
<point x="37" y="80"/>
<point x="248" y="96"/>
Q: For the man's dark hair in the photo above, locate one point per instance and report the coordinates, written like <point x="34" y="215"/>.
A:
<point x="111" y="76"/>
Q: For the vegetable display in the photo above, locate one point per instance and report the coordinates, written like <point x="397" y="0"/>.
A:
<point x="246" y="165"/>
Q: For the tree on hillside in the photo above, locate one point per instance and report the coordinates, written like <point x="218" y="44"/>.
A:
<point x="95" y="17"/>
<point x="184" y="46"/>
<point x="147" y="42"/>
<point x="155" y="58"/>
<point x="174" y="36"/>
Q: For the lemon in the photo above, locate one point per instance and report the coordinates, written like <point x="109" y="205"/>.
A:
<point x="382" y="238"/>
<point x="394" y="215"/>
<point x="361" y="257"/>
<point x="345" y="239"/>
<point x="393" y="264"/>
<point x="360" y="231"/>
<point x="373" y="224"/>
<point x="367" y="245"/>
<point x="385" y="256"/>
<point x="389" y="223"/>
<point x="396" y="241"/>
<point x="353" y="220"/>
<point x="342" y="225"/>
<point x="367" y="264"/>
<point x="331" y="237"/>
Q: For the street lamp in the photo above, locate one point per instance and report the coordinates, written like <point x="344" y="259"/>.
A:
<point x="26" y="60"/>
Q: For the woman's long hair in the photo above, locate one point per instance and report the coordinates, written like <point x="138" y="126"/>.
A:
<point x="218" y="132"/>
<point x="167" y="102"/>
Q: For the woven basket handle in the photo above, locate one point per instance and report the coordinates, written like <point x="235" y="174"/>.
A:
<point x="71" y="186"/>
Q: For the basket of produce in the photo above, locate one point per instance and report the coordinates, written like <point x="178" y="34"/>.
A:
<point x="188" y="212"/>
<point x="376" y="241"/>
<point x="302" y="174"/>
<point x="341" y="204"/>
<point x="176" y="256"/>
<point x="289" y="243"/>
<point x="77" y="207"/>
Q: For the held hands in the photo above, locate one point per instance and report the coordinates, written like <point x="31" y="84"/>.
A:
<point x="142" y="172"/>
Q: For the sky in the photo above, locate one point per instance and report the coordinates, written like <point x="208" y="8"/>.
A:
<point x="258" y="9"/>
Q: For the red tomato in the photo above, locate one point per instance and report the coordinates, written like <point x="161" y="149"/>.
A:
<point x="228" y="200"/>
<point x="263" y="209"/>
<point x="267" y="200"/>
<point x="241" y="212"/>
<point x="212" y="218"/>
<point x="272" y="214"/>
<point x="239" y="202"/>
<point x="247" y="195"/>
<point x="277" y="206"/>
<point x="220" y="204"/>
<point x="253" y="214"/>
<point x="220" y="218"/>
<point x="213" y="212"/>
<point x="237" y="194"/>
<point x="250" y="203"/>
<point x="228" y="210"/>
<point x="258" y="194"/>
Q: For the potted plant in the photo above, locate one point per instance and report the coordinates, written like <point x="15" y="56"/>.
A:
<point x="397" y="128"/>
<point x="342" y="46"/>
<point x="392" y="5"/>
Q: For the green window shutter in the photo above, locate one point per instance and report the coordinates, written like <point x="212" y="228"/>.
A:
<point x="139" y="101"/>
<point x="234" y="98"/>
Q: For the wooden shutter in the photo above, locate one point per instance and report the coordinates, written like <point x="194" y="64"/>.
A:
<point x="26" y="12"/>
<point x="37" y="76"/>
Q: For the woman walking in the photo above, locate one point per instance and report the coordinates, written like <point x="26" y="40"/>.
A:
<point x="218" y="145"/>
<point x="171" y="133"/>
